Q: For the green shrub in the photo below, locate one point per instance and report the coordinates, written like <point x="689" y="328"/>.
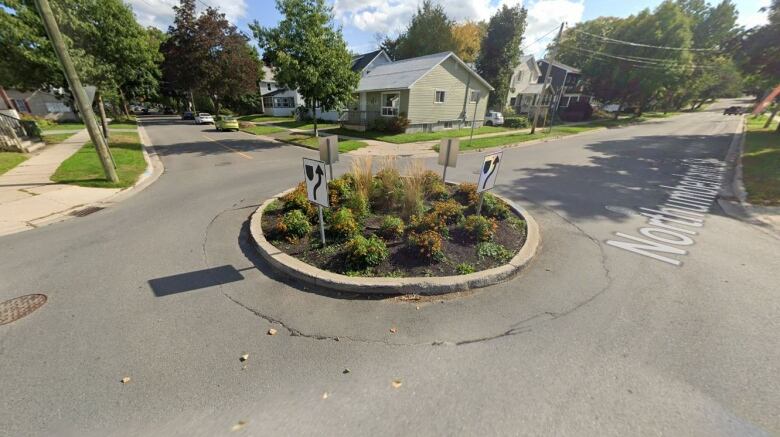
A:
<point x="516" y="122"/>
<point x="448" y="211"/>
<point x="397" y="125"/>
<point x="339" y="191"/>
<point x="466" y="194"/>
<point x="428" y="222"/>
<point x="298" y="199"/>
<point x="343" y="223"/>
<point x="495" y="251"/>
<point x="392" y="228"/>
<point x="433" y="187"/>
<point x="518" y="224"/>
<point x="273" y="207"/>
<point x="465" y="269"/>
<point x="358" y="204"/>
<point x="365" y="252"/>
<point x="492" y="206"/>
<point x="427" y="244"/>
<point x="293" y="225"/>
<point x="479" y="228"/>
<point x="388" y="188"/>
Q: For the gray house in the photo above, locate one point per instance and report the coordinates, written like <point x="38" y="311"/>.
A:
<point x="433" y="92"/>
<point x="40" y="103"/>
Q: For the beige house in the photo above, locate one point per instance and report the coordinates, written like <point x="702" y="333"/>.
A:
<point x="433" y="92"/>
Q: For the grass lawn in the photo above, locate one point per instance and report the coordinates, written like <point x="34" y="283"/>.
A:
<point x="304" y="125"/>
<point x="313" y="143"/>
<point x="9" y="160"/>
<point x="122" y="126"/>
<point x="761" y="162"/>
<point x="84" y="169"/>
<point x="259" y="118"/>
<point x="262" y="130"/>
<point x="68" y="125"/>
<point x="420" y="136"/>
<point x="56" y="138"/>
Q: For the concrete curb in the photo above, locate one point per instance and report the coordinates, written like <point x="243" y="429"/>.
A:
<point x="154" y="169"/>
<point x="298" y="269"/>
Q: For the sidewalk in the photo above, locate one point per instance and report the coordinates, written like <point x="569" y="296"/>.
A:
<point x="28" y="198"/>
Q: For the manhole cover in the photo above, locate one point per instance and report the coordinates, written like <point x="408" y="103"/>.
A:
<point x="18" y="307"/>
<point x="621" y="210"/>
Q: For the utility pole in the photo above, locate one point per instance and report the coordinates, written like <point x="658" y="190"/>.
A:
<point x="85" y="106"/>
<point x="546" y="75"/>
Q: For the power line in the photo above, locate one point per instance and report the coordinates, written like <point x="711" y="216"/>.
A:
<point x="636" y="44"/>
<point x="540" y="38"/>
<point x="642" y="63"/>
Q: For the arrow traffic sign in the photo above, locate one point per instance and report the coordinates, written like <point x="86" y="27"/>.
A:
<point x="489" y="171"/>
<point x="316" y="183"/>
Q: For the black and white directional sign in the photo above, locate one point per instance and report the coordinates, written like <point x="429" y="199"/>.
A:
<point x="489" y="171"/>
<point x="316" y="182"/>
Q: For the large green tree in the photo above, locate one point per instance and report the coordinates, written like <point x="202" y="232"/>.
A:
<point x="307" y="52"/>
<point x="429" y="31"/>
<point x="500" y="51"/>
<point x="760" y="52"/>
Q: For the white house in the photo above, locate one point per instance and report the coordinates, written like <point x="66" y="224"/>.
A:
<point x="277" y="101"/>
<point x="524" y="86"/>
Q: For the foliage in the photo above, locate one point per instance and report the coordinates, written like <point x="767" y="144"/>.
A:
<point x="273" y="207"/>
<point x="466" y="193"/>
<point x="392" y="228"/>
<point x="293" y="225"/>
<point x="429" y="221"/>
<point x="516" y="122"/>
<point x="428" y="32"/>
<point x="576" y="111"/>
<point x="465" y="268"/>
<point x="448" y="211"/>
<point x="488" y="249"/>
<point x="479" y="228"/>
<point x="391" y="125"/>
<point x="298" y="199"/>
<point x="492" y="206"/>
<point x="428" y="244"/>
<point x="518" y="223"/>
<point x="365" y="252"/>
<point x="760" y="53"/>
<point x="388" y="188"/>
<point x="434" y="188"/>
<point x="343" y="223"/>
<point x="358" y="204"/>
<point x="468" y="38"/>
<point x="500" y="51"/>
<point x="308" y="53"/>
<point x="362" y="176"/>
<point x="339" y="190"/>
<point x="412" y="194"/>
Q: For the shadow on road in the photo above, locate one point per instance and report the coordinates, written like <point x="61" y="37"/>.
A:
<point x="195" y="280"/>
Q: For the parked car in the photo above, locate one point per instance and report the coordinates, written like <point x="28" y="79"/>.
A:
<point x="494" y="118"/>
<point x="732" y="110"/>
<point x="204" y="117"/>
<point x="226" y="123"/>
<point x="188" y="115"/>
<point x="168" y="111"/>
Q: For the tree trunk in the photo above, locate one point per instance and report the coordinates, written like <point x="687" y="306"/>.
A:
<point x="124" y="103"/>
<point x="314" y="110"/>
<point x="103" y="120"/>
<point x="191" y="101"/>
<point x="771" y="117"/>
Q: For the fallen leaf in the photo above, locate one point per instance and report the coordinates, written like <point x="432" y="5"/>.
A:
<point x="393" y="330"/>
<point x="418" y="307"/>
<point x="272" y="331"/>
<point x="238" y="426"/>
<point x="397" y="383"/>
<point x="325" y="395"/>
<point x="125" y="380"/>
<point x="244" y="357"/>
<point x="346" y="371"/>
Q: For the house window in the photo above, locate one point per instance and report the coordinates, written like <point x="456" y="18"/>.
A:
<point x="439" y="98"/>
<point x="447" y="125"/>
<point x="512" y="101"/>
<point x="269" y="86"/>
<point x="564" y="102"/>
<point x="390" y="104"/>
<point x="474" y="97"/>
<point x="519" y="76"/>
<point x="21" y="105"/>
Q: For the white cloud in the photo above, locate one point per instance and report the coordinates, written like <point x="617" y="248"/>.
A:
<point x="159" y="13"/>
<point x="392" y="16"/>
<point x="756" y="18"/>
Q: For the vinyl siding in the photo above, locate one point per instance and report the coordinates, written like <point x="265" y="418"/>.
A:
<point x="374" y="101"/>
<point x="457" y="82"/>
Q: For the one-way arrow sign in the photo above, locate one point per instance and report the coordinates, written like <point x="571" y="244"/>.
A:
<point x="489" y="171"/>
<point x="316" y="184"/>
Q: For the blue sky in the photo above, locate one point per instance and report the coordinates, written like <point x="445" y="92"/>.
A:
<point x="362" y="19"/>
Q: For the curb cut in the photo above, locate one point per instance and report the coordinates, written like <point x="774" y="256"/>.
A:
<point x="300" y="270"/>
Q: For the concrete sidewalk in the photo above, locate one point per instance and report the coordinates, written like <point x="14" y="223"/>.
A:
<point x="28" y="198"/>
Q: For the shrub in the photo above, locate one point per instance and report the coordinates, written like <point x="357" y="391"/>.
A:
<point x="448" y="211"/>
<point x="343" y="223"/>
<point x="388" y="188"/>
<point x="466" y="193"/>
<point x="392" y="228"/>
<point x="495" y="251"/>
<point x="427" y="244"/>
<point x="433" y="187"/>
<point x="518" y="224"/>
<point x="397" y="125"/>
<point x="576" y="111"/>
<point x="428" y="222"/>
<point x="362" y="176"/>
<point x="298" y="199"/>
<point x="465" y="269"/>
<point x="273" y="207"/>
<point x="358" y="204"/>
<point x="492" y="206"/>
<point x="365" y="252"/>
<point x="479" y="228"/>
<point x="412" y="195"/>
<point x="379" y="124"/>
<point x="339" y="191"/>
<point x="294" y="225"/>
<point x="516" y="122"/>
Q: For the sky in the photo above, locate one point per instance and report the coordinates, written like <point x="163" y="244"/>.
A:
<point x="361" y="20"/>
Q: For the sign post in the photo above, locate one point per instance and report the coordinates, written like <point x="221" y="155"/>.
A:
<point x="487" y="175"/>
<point x="316" y="188"/>
<point x="329" y="151"/>
<point x="448" y="154"/>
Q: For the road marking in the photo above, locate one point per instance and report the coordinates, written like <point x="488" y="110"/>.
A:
<point x="242" y="154"/>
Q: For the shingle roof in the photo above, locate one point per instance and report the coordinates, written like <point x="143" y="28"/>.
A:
<point x="403" y="74"/>
<point x="359" y="62"/>
<point x="562" y="66"/>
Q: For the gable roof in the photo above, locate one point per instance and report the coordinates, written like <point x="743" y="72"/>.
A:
<point x="405" y="73"/>
<point x="359" y="62"/>
<point x="562" y="66"/>
<point x="531" y="62"/>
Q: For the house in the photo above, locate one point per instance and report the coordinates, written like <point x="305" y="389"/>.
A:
<point x="566" y="81"/>
<point x="41" y="103"/>
<point x="525" y="87"/>
<point x="433" y="92"/>
<point x="366" y="62"/>
<point x="277" y="101"/>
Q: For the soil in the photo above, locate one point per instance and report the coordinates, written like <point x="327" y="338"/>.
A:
<point x="402" y="261"/>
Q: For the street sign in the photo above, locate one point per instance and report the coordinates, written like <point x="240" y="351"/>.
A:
<point x="316" y="182"/>
<point x="329" y="149"/>
<point x="489" y="171"/>
<point x="448" y="152"/>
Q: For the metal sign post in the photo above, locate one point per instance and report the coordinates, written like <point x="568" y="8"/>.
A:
<point x="329" y="151"/>
<point x="448" y="154"/>
<point x="316" y="188"/>
<point x="487" y="175"/>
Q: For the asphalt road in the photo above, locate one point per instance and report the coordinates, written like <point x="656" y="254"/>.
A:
<point x="589" y="340"/>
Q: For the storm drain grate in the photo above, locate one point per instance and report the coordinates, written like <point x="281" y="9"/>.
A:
<point x="18" y="307"/>
<point x="86" y="211"/>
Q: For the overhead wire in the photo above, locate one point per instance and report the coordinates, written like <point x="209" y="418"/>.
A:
<point x="636" y="44"/>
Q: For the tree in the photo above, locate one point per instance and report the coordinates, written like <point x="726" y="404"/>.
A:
<point x="183" y="58"/>
<point x="389" y="45"/>
<point x="761" y="52"/>
<point x="468" y="38"/>
<point x="500" y="51"/>
<point x="308" y="53"/>
<point x="428" y="32"/>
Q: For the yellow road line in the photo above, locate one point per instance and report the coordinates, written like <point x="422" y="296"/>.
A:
<point x="242" y="154"/>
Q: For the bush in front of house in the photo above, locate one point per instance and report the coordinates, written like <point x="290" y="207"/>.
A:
<point x="479" y="228"/>
<point x="391" y="125"/>
<point x="293" y="225"/>
<point x="392" y="228"/>
<point x="516" y="122"/>
<point x="365" y="252"/>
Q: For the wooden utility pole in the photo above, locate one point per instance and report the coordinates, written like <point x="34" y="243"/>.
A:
<point x="80" y="95"/>
<point x="550" y="60"/>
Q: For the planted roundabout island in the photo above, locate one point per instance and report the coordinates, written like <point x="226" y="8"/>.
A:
<point x="395" y="234"/>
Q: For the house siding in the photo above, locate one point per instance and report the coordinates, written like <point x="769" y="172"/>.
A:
<point x="456" y="82"/>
